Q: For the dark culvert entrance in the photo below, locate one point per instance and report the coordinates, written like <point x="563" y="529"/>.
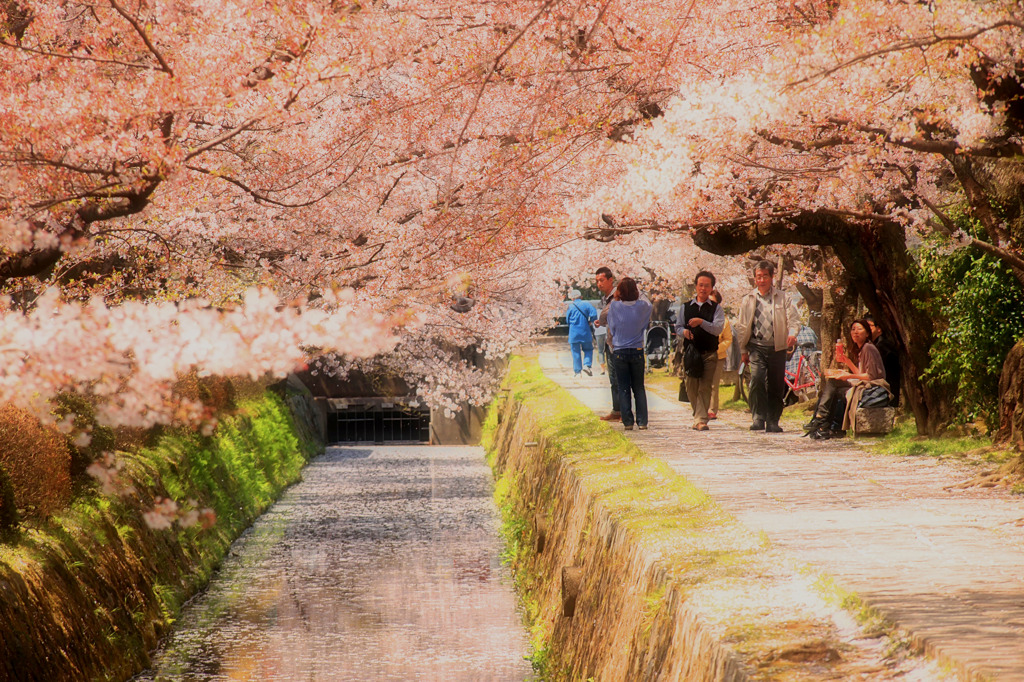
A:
<point x="376" y="421"/>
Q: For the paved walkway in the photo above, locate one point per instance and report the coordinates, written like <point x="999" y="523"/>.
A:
<point x="943" y="564"/>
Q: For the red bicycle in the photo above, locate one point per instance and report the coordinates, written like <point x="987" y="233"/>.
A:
<point x="802" y="381"/>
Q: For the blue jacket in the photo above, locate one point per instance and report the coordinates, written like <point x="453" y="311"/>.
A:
<point x="579" y="316"/>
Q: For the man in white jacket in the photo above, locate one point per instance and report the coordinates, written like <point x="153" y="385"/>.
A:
<point x="767" y="326"/>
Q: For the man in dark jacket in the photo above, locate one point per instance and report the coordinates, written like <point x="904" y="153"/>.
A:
<point x="605" y="281"/>
<point x="700" y="322"/>
<point x="890" y="358"/>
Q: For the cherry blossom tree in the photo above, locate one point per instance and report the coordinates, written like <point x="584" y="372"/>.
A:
<point x="415" y="151"/>
<point x="859" y="127"/>
<point x="411" y="151"/>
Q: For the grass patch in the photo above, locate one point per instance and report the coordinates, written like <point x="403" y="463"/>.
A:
<point x="726" y="402"/>
<point x="665" y="384"/>
<point x="903" y="440"/>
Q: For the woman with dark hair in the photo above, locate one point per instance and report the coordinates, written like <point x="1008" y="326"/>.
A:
<point x="628" y="317"/>
<point x="724" y="341"/>
<point x="865" y="365"/>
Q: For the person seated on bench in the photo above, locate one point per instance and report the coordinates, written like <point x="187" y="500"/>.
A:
<point x="865" y="366"/>
<point x="890" y="358"/>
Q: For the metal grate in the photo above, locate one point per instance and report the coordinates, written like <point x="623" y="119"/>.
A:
<point x="371" y="424"/>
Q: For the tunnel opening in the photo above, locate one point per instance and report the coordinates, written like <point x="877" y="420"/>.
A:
<point x="377" y="422"/>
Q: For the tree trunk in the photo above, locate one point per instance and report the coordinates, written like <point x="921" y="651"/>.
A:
<point x="880" y="269"/>
<point x="838" y="308"/>
<point x="815" y="303"/>
<point x="1011" y="399"/>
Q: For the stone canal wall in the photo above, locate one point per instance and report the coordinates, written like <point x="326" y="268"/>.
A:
<point x="86" y="595"/>
<point x="626" y="571"/>
<point x="603" y="604"/>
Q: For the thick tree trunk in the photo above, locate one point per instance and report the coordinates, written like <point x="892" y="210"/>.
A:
<point x="1011" y="399"/>
<point x="880" y="269"/>
<point x="837" y="311"/>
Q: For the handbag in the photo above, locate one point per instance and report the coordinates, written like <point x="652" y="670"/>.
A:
<point x="693" y="361"/>
<point x="874" y="396"/>
<point x="683" y="398"/>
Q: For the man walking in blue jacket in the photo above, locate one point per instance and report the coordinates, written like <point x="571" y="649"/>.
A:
<point x="580" y="315"/>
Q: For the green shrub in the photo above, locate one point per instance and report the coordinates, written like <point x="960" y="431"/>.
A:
<point x="979" y="308"/>
<point x="251" y="457"/>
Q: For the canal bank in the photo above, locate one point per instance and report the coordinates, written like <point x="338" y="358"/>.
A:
<point x="630" y="572"/>
<point x="86" y="594"/>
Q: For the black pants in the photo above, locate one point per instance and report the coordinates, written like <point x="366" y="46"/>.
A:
<point x="629" y="375"/>
<point x="832" y="403"/>
<point x="767" y="383"/>
<point x="613" y="380"/>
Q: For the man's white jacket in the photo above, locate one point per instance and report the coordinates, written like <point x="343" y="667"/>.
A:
<point x="786" y="318"/>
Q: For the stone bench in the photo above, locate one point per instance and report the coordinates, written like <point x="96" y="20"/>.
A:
<point x="875" y="421"/>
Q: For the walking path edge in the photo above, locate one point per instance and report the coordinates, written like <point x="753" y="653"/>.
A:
<point x="941" y="565"/>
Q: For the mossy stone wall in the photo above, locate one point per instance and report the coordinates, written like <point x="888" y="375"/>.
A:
<point x="627" y="571"/>
<point x="630" y="619"/>
<point x="87" y="595"/>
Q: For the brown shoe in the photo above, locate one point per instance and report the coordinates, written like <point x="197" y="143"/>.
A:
<point x="701" y="427"/>
<point x="612" y="417"/>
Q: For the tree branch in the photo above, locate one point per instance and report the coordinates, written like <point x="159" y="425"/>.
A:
<point x="164" y="66"/>
<point x="78" y="57"/>
<point x="919" y="144"/>
<point x="978" y="200"/>
<point x="911" y="44"/>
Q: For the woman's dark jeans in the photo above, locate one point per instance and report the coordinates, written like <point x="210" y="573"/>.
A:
<point x="629" y="374"/>
<point x="832" y="403"/>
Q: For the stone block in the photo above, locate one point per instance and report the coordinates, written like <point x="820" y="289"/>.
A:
<point x="572" y="576"/>
<point x="875" y="420"/>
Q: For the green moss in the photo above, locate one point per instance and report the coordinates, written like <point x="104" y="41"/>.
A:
<point x="654" y="603"/>
<point x="515" y="533"/>
<point x="656" y="506"/>
<point x="874" y="624"/>
<point x="133" y="579"/>
<point x="642" y="491"/>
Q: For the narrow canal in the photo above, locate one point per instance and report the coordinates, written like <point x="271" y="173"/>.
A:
<point x="382" y="564"/>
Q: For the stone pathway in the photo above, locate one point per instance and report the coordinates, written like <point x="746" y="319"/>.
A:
<point x="382" y="564"/>
<point x="944" y="565"/>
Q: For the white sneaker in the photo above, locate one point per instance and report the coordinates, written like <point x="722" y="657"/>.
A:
<point x="586" y="370"/>
<point x="576" y="375"/>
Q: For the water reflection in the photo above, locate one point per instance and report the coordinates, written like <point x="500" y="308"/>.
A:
<point x="381" y="565"/>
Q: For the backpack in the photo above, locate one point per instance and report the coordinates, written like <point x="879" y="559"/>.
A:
<point x="874" y="396"/>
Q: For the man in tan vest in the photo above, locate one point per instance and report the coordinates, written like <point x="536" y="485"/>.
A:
<point x="767" y="326"/>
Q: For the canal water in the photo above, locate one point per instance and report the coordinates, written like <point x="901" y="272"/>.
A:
<point x="382" y="564"/>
